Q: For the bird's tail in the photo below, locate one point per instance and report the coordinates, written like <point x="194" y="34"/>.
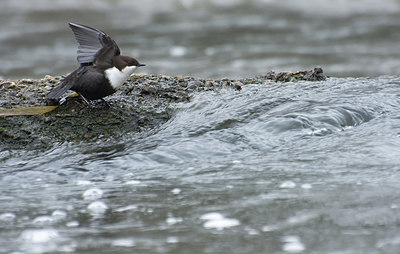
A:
<point x="56" y="92"/>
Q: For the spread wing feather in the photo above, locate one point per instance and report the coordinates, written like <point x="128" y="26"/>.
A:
<point x="91" y="41"/>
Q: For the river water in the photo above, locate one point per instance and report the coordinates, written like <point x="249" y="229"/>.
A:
<point x="307" y="167"/>
<point x="207" y="38"/>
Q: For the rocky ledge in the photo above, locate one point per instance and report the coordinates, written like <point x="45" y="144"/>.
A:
<point x="142" y="103"/>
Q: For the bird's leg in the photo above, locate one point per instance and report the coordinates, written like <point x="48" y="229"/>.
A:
<point x="85" y="100"/>
<point x="105" y="102"/>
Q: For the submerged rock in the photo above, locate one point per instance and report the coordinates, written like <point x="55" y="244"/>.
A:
<point x="142" y="103"/>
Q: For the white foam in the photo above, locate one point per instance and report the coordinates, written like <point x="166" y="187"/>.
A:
<point x="124" y="242"/>
<point x="176" y="191"/>
<point x="39" y="235"/>
<point x="109" y="178"/>
<point x="319" y="132"/>
<point x="44" y="241"/>
<point x="126" y="208"/>
<point x="252" y="231"/>
<point x="387" y="242"/>
<point x="222" y="223"/>
<point x="306" y="186"/>
<point x="97" y="208"/>
<point x="92" y="194"/>
<point x="302" y="218"/>
<point x="72" y="224"/>
<point x="133" y="182"/>
<point x="211" y="216"/>
<point x="59" y="214"/>
<point x="43" y="220"/>
<point x="173" y="220"/>
<point x="292" y="244"/>
<point x="270" y="228"/>
<point x="177" y="51"/>
<point x="287" y="185"/>
<point x="209" y="51"/>
<point x="7" y="217"/>
<point x="172" y="239"/>
<point x="217" y="221"/>
<point x="83" y="182"/>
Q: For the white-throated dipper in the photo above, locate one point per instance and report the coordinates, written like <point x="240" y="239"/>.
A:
<point x="102" y="67"/>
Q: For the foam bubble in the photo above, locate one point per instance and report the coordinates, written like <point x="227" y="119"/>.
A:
<point x="210" y="51"/>
<point x="177" y="51"/>
<point x="218" y="221"/>
<point x="221" y="223"/>
<point x="123" y="242"/>
<point x="126" y="208"/>
<point x="39" y="235"/>
<point x="133" y="182"/>
<point x="287" y="185"/>
<point x="306" y="186"/>
<point x="172" y="239"/>
<point x="97" y="208"/>
<point x="252" y="231"/>
<point x="176" y="191"/>
<point x="292" y="244"/>
<point x="7" y="217"/>
<point x="269" y="228"/>
<point x="319" y="132"/>
<point x="92" y="194"/>
<point x="43" y="220"/>
<point x="301" y="218"/>
<point x="83" y="182"/>
<point x="212" y="216"/>
<point x="59" y="214"/>
<point x="44" y="241"/>
<point x="173" y="220"/>
<point x="72" y="224"/>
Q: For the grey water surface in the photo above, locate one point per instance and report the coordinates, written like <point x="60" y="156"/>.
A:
<point x="207" y="38"/>
<point x="307" y="167"/>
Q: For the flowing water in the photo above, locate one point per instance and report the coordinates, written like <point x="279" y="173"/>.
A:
<point x="307" y="167"/>
<point x="207" y="38"/>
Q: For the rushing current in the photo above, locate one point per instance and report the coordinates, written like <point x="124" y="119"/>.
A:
<point x="306" y="167"/>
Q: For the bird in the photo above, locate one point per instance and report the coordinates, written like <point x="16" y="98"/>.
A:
<point x="102" y="67"/>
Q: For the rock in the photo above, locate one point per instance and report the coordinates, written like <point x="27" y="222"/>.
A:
<point x="286" y="76"/>
<point x="142" y="103"/>
<point x="194" y="85"/>
<point x="238" y="85"/>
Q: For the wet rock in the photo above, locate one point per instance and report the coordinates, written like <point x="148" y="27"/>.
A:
<point x="143" y="102"/>
<point x="238" y="85"/>
<point x="314" y="75"/>
<point x="194" y="85"/>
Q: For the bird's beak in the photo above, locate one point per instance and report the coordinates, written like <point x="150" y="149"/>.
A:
<point x="140" y="65"/>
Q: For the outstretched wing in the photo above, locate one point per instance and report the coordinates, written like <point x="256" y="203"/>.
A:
<point x="104" y="57"/>
<point x="91" y="42"/>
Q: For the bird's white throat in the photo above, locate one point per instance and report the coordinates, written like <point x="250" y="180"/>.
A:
<point x="117" y="77"/>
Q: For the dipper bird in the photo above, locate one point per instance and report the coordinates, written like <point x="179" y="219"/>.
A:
<point x="102" y="68"/>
